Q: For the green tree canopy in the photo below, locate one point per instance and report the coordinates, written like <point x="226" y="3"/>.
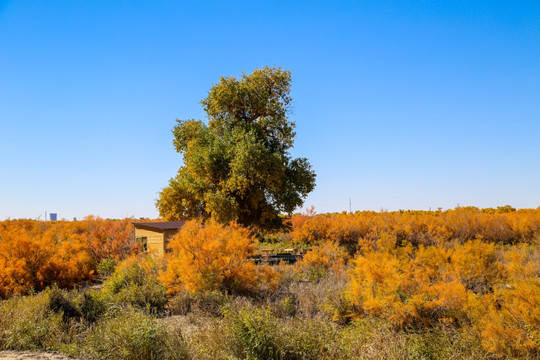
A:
<point x="238" y="166"/>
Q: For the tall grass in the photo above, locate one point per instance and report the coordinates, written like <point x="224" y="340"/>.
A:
<point x="130" y="335"/>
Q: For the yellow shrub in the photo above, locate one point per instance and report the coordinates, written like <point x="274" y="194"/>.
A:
<point x="378" y="280"/>
<point x="321" y="259"/>
<point x="312" y="229"/>
<point x="37" y="254"/>
<point x="214" y="257"/>
<point x="408" y="285"/>
<point x="509" y="318"/>
<point x="497" y="290"/>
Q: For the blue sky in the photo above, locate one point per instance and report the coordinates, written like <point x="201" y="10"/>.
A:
<point x="398" y="104"/>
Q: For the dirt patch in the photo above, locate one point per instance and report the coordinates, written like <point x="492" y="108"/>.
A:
<point x="33" y="355"/>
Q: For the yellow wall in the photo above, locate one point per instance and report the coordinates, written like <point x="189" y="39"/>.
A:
<point x="155" y="242"/>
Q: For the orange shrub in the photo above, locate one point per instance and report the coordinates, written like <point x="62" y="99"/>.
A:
<point x="493" y="288"/>
<point x="109" y="238"/>
<point x="380" y="285"/>
<point x="312" y="229"/>
<point x="503" y="225"/>
<point x="33" y="260"/>
<point x="320" y="259"/>
<point x="426" y="284"/>
<point x="36" y="254"/>
<point x="213" y="257"/>
<point x="509" y="317"/>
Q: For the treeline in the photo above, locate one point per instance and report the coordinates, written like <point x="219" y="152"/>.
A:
<point x="37" y="254"/>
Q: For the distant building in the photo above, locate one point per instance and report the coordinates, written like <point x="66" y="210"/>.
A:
<point x="53" y="216"/>
<point x="155" y="235"/>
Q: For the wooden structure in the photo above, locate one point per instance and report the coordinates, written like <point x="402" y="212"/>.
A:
<point x="155" y="235"/>
<point x="271" y="257"/>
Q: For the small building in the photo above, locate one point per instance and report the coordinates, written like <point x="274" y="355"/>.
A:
<point x="155" y="235"/>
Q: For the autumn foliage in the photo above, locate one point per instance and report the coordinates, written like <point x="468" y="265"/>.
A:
<point x="500" y="225"/>
<point x="468" y="277"/>
<point x="495" y="289"/>
<point x="472" y="269"/>
<point x="36" y="254"/>
<point x="214" y="257"/>
<point x="321" y="259"/>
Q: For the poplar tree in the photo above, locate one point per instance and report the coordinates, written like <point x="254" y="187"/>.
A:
<point x="237" y="165"/>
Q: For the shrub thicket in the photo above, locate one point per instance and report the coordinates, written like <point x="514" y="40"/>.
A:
<point x="135" y="282"/>
<point x="37" y="254"/>
<point x="460" y="284"/>
<point x="214" y="257"/>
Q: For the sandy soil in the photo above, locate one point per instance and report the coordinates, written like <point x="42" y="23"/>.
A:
<point x="32" y="355"/>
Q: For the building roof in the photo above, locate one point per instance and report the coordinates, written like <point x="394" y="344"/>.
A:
<point x="159" y="226"/>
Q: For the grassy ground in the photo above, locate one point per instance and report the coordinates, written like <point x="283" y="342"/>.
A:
<point x="132" y="318"/>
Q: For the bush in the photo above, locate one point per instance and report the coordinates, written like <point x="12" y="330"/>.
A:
<point x="60" y="304"/>
<point x="34" y="258"/>
<point x="257" y="334"/>
<point x="130" y="335"/>
<point x="135" y="282"/>
<point x="107" y="266"/>
<point x="214" y="257"/>
<point x="39" y="254"/>
<point x="255" y="331"/>
<point x="27" y="323"/>
<point x="409" y="287"/>
<point x="316" y="263"/>
<point x="211" y="302"/>
<point x="92" y="305"/>
<point x="491" y="289"/>
<point x="287" y="306"/>
<point x="509" y="317"/>
<point x="180" y="304"/>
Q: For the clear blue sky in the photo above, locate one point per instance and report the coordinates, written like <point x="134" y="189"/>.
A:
<point x="398" y="104"/>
